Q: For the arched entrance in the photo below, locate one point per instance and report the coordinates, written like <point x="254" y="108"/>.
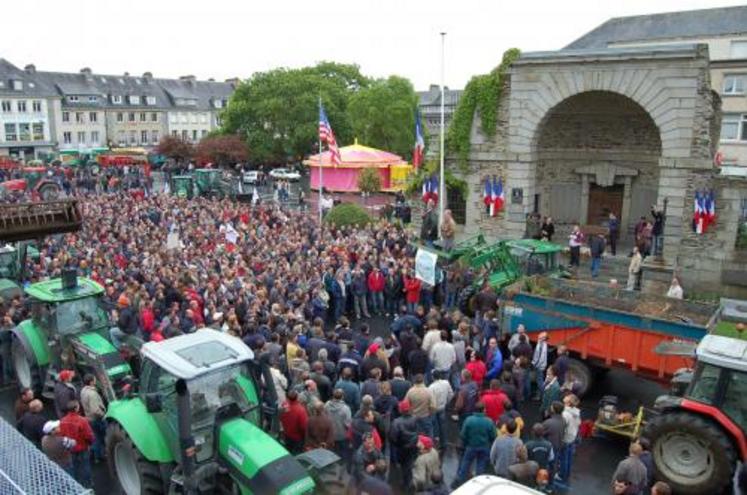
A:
<point x="597" y="153"/>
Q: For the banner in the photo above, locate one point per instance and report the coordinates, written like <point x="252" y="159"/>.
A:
<point x="425" y="266"/>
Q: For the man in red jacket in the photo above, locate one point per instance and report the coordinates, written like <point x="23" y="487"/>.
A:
<point x="293" y="418"/>
<point x="376" y="289"/>
<point x="494" y="398"/>
<point x="75" y="426"/>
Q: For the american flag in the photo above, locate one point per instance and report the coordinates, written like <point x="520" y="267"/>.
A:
<point x="326" y="135"/>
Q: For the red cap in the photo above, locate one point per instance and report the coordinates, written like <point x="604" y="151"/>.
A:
<point x="66" y="375"/>
<point x="404" y="406"/>
<point x="373" y="348"/>
<point x="425" y="441"/>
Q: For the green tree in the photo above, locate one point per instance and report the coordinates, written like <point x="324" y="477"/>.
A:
<point x="369" y="180"/>
<point x="222" y="150"/>
<point x="348" y="214"/>
<point x="175" y="147"/>
<point x="383" y="115"/>
<point x="277" y="111"/>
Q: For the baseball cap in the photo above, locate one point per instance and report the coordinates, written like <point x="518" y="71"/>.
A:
<point x="50" y="426"/>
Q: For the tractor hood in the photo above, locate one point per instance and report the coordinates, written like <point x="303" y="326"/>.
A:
<point x="258" y="463"/>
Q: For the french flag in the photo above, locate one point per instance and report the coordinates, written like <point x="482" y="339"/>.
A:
<point x="487" y="195"/>
<point x="426" y="189"/>
<point x="418" y="153"/>
<point x="710" y="210"/>
<point x="434" y="189"/>
<point x="699" y="213"/>
<point x="500" y="198"/>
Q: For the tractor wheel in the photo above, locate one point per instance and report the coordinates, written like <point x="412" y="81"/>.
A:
<point x="28" y="372"/>
<point x="690" y="453"/>
<point x="465" y="301"/>
<point x="49" y="191"/>
<point x="133" y="473"/>
<point x="582" y="375"/>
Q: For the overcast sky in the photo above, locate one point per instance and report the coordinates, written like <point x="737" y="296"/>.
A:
<point x="227" y="38"/>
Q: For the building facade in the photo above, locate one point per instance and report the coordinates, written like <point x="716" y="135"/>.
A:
<point x="27" y="108"/>
<point x="42" y="112"/>
<point x="724" y="30"/>
<point x="429" y="103"/>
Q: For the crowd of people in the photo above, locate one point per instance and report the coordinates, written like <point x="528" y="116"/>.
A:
<point x="302" y="298"/>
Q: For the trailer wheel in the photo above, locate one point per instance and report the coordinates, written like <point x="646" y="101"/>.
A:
<point x="582" y="375"/>
<point x="134" y="474"/>
<point x="690" y="453"/>
<point x="27" y="370"/>
<point x="465" y="302"/>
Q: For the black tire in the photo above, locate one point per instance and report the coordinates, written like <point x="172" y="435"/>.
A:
<point x="32" y="378"/>
<point x="464" y="301"/>
<point x="49" y="191"/>
<point x="682" y="442"/>
<point x="582" y="375"/>
<point x="149" y="474"/>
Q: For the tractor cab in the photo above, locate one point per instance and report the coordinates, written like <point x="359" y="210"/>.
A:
<point x="182" y="186"/>
<point x="535" y="257"/>
<point x="199" y="404"/>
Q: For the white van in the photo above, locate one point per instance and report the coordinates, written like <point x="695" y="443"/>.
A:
<point x="489" y="485"/>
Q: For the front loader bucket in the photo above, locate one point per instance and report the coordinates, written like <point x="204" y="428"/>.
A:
<point x="25" y="221"/>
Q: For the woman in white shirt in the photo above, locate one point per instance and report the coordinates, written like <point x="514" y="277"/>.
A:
<point x="675" y="290"/>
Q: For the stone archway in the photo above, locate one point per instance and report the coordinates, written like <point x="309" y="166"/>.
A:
<point x="597" y="152"/>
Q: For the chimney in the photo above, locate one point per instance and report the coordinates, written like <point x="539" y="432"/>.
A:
<point x="188" y="79"/>
<point x="234" y="81"/>
<point x="86" y="71"/>
<point x="434" y="88"/>
<point x="210" y="79"/>
<point x="126" y="74"/>
<point x="30" y="69"/>
<point x="147" y="76"/>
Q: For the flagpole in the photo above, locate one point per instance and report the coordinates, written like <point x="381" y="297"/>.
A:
<point x="441" y="182"/>
<point x="321" y="174"/>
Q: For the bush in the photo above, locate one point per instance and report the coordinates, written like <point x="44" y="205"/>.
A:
<point x="369" y="180"/>
<point x="347" y="214"/>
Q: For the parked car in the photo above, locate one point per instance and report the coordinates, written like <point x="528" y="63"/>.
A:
<point x="285" y="174"/>
<point x="486" y="484"/>
<point x="251" y="177"/>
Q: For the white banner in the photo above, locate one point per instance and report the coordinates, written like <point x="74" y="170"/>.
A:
<point x="425" y="266"/>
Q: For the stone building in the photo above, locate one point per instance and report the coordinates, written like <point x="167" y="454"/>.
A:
<point x="27" y="108"/>
<point x="430" y="113"/>
<point x="195" y="106"/>
<point x="582" y="133"/>
<point x="724" y="30"/>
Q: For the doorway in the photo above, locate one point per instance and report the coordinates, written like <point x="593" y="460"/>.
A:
<point x="603" y="201"/>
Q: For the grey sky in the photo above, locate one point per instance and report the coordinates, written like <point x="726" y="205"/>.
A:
<point x="226" y="38"/>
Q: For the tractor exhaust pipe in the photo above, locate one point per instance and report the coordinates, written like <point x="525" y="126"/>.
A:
<point x="186" y="441"/>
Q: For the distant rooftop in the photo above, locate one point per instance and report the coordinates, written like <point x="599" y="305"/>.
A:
<point x="687" y="24"/>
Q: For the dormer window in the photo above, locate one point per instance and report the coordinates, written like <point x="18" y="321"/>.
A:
<point x="134" y="100"/>
<point x="117" y="99"/>
<point x="18" y="85"/>
<point x="92" y="99"/>
<point x="72" y="99"/>
<point x="150" y="100"/>
<point x="218" y="103"/>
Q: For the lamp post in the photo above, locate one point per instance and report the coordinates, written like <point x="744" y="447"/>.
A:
<point x="441" y="184"/>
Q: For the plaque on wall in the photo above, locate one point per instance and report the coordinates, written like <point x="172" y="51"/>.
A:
<point x="517" y="195"/>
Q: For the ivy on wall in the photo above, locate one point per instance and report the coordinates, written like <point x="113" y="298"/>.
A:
<point x="481" y="95"/>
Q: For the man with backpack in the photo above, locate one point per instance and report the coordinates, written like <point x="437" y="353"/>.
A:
<point x="404" y="438"/>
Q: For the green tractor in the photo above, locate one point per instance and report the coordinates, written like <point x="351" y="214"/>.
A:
<point x="195" y="424"/>
<point x="204" y="182"/>
<point x="68" y="329"/>
<point x="12" y="265"/>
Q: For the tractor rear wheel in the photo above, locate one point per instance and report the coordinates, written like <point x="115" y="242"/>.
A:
<point x="465" y="301"/>
<point x="690" y="453"/>
<point x="49" y="191"/>
<point x="581" y="375"/>
<point x="27" y="370"/>
<point x="134" y="474"/>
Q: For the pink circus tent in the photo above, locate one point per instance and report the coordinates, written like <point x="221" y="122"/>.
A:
<point x="356" y="157"/>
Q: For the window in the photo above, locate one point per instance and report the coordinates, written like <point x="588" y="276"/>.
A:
<point x="218" y="104"/>
<point x="94" y="137"/>
<point x="66" y="116"/>
<point x="18" y="85"/>
<point x="193" y="118"/>
<point x="79" y="117"/>
<point x="93" y="99"/>
<point x="67" y="137"/>
<point x="175" y="133"/>
<point x="203" y="118"/>
<point x="183" y="118"/>
<point x="36" y="105"/>
<point x="705" y="383"/>
<point x="134" y="100"/>
<point x="143" y="117"/>
<point x="117" y="99"/>
<point x="154" y="137"/>
<point x="93" y="116"/>
<point x="24" y="132"/>
<point x="120" y="117"/>
<point x="21" y="106"/>
<point x="185" y="135"/>
<point x="81" y="137"/>
<point x="143" y="137"/>
<point x="6" y="106"/>
<point x="150" y="100"/>
<point x="131" y="117"/>
<point x="739" y="49"/>
<point x="204" y="133"/>
<point x="38" y="130"/>
<point x="103" y="80"/>
<point x="10" y="132"/>
<point x="72" y="99"/>
<point x="734" y="127"/>
<point x="154" y="117"/>
<point x="734" y="84"/>
<point x="133" y="137"/>
<point x="121" y="138"/>
<point x="734" y="404"/>
<point x="173" y="118"/>
<point x="194" y="135"/>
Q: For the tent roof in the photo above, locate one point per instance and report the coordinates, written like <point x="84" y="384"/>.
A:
<point x="357" y="155"/>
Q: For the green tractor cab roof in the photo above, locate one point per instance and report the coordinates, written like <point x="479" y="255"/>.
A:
<point x="535" y="246"/>
<point x="52" y="291"/>
<point x="198" y="353"/>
